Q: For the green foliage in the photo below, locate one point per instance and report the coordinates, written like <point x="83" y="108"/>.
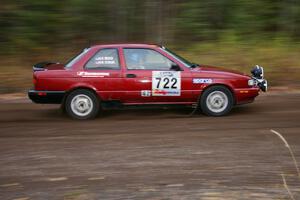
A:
<point x="31" y="27"/>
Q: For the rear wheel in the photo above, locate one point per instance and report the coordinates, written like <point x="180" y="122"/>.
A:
<point x="216" y="101"/>
<point x="82" y="104"/>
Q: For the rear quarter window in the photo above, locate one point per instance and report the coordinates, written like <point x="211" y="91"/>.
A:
<point x="104" y="59"/>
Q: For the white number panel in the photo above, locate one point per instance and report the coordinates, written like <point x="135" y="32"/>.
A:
<point x="166" y="83"/>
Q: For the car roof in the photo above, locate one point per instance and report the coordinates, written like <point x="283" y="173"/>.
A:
<point x="141" y="45"/>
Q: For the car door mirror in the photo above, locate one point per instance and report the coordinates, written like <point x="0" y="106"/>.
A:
<point x="175" y="67"/>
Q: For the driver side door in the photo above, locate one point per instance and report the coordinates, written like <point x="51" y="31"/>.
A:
<point x="149" y="78"/>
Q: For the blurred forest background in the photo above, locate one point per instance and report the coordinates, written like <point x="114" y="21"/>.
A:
<point x="231" y="33"/>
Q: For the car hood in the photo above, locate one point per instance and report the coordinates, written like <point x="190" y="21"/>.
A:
<point x="214" y="69"/>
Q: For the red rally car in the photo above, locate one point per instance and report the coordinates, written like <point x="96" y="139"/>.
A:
<point x="140" y="74"/>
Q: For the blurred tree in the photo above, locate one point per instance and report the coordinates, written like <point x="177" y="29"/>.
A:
<point x="203" y="20"/>
<point x="29" y="26"/>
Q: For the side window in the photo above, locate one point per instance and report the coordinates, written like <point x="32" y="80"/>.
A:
<point x="146" y="59"/>
<point x="104" y="59"/>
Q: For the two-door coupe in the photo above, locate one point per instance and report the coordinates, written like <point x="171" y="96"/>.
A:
<point x="140" y="74"/>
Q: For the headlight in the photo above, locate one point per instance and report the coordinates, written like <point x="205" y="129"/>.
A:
<point x="251" y="82"/>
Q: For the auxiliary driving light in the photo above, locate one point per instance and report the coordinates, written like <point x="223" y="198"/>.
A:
<point x="258" y="72"/>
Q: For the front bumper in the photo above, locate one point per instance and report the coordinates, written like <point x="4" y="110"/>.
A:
<point x="46" y="97"/>
<point x="246" y="95"/>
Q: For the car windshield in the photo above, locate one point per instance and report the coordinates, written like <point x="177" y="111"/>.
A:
<point x="76" y="58"/>
<point x="183" y="60"/>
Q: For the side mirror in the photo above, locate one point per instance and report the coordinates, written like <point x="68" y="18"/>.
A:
<point x="175" y="67"/>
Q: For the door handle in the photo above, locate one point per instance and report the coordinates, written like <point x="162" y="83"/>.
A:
<point x="130" y="76"/>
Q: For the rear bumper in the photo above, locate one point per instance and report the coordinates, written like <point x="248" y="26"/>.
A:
<point x="46" y="97"/>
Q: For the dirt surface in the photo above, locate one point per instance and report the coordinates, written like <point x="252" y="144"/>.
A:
<point x="150" y="154"/>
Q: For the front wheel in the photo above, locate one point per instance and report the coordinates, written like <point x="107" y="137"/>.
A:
<point x="82" y="104"/>
<point x="216" y="101"/>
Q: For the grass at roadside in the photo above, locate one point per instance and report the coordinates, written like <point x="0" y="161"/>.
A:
<point x="280" y="60"/>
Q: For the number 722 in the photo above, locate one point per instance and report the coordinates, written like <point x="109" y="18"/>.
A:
<point x="167" y="83"/>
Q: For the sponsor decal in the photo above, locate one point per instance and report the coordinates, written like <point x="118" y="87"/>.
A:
<point x="145" y="93"/>
<point x="202" y="80"/>
<point x="92" y="74"/>
<point x="166" y="83"/>
<point x="165" y="93"/>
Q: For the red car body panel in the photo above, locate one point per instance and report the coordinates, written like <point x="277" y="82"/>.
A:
<point x="116" y="85"/>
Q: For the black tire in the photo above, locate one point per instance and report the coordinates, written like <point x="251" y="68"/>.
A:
<point x="224" y="109"/>
<point x="88" y="100"/>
